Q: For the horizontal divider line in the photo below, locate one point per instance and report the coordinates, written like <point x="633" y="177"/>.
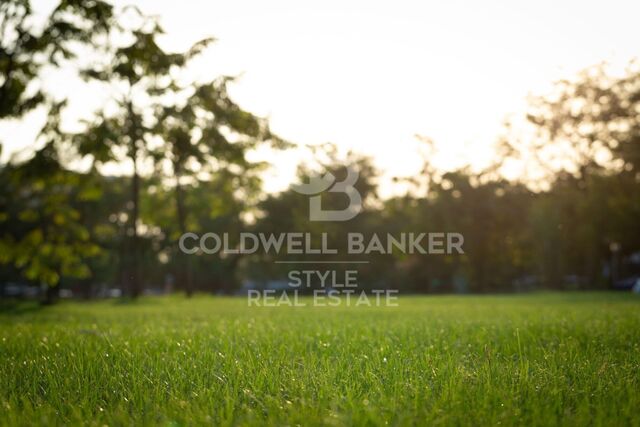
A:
<point x="321" y="262"/>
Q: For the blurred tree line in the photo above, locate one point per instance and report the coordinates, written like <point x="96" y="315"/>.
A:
<point x="186" y="143"/>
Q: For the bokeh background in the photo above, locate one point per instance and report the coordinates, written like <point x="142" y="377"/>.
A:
<point x="123" y="127"/>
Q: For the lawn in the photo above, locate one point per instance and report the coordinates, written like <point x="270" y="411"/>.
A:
<point x="542" y="359"/>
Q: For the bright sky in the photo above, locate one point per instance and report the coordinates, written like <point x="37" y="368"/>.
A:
<point x="370" y="75"/>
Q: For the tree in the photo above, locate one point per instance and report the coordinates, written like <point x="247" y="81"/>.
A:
<point x="209" y="135"/>
<point x="42" y="235"/>
<point x="589" y="127"/>
<point x="42" y="230"/>
<point x="138" y="73"/>
<point x="586" y="124"/>
<point x="26" y="49"/>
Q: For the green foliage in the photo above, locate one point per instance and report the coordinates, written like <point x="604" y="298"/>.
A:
<point x="42" y="233"/>
<point x="204" y="134"/>
<point x="25" y="48"/>
<point x="41" y="230"/>
<point x="594" y="112"/>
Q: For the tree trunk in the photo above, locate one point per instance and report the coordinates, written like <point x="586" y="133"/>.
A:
<point x="135" y="287"/>
<point x="185" y="264"/>
<point x="51" y="295"/>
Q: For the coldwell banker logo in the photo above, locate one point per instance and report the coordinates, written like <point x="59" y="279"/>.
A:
<point x="320" y="184"/>
<point x="307" y="282"/>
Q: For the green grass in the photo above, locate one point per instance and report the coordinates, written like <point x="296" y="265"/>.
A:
<point x="548" y="359"/>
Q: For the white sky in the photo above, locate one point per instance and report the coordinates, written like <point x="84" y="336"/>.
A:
<point x="370" y="75"/>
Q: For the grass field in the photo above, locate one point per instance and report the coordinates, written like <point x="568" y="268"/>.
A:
<point x="547" y="359"/>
